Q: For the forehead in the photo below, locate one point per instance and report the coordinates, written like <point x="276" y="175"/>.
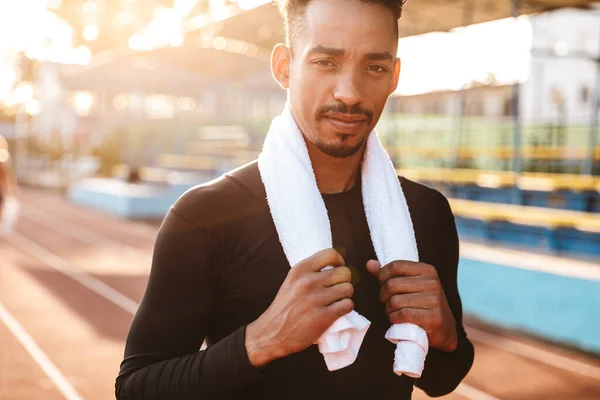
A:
<point x="348" y="24"/>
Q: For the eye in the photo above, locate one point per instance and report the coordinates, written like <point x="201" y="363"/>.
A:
<point x="324" y="63"/>
<point x="376" y="68"/>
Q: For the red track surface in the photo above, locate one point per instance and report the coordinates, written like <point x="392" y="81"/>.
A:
<point x="71" y="277"/>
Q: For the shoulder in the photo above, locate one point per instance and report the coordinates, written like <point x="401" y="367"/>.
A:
<point x="226" y="199"/>
<point x="429" y="210"/>
<point x="422" y="198"/>
<point x="433" y="222"/>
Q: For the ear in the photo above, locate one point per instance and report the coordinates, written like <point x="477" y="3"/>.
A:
<point x="281" y="58"/>
<point x="397" y="68"/>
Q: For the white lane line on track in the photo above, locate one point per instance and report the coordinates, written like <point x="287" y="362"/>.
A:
<point x="74" y="273"/>
<point x="84" y="235"/>
<point x="535" y="354"/>
<point x="137" y="229"/>
<point x="40" y="358"/>
<point x="473" y="394"/>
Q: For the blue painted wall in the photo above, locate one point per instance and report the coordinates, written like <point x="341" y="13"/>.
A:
<point x="103" y="194"/>
<point x="555" y="307"/>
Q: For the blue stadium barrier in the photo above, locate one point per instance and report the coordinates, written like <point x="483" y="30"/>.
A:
<point x="557" y="241"/>
<point x="558" y="308"/>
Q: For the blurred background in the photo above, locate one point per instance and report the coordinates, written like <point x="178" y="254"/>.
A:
<point x="111" y="109"/>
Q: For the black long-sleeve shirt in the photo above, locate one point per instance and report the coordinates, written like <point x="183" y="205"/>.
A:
<point x="218" y="265"/>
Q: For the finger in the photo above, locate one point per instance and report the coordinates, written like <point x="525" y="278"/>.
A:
<point x="411" y="300"/>
<point x="335" y="276"/>
<point x="337" y="293"/>
<point x="415" y="316"/>
<point x="340" y="308"/>
<point x="404" y="268"/>
<point x="412" y="284"/>
<point x="374" y="267"/>
<point x="321" y="259"/>
<point x="326" y="258"/>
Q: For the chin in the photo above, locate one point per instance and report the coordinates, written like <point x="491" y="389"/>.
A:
<point x="341" y="149"/>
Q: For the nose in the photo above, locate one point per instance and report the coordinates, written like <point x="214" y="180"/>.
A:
<point x="347" y="89"/>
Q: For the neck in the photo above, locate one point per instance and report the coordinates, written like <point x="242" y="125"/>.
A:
<point x="334" y="175"/>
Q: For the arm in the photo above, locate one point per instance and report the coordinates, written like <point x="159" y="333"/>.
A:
<point x="162" y="360"/>
<point x="4" y="178"/>
<point x="445" y="370"/>
<point x="8" y="184"/>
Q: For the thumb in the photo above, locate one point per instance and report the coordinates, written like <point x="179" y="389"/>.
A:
<point x="373" y="266"/>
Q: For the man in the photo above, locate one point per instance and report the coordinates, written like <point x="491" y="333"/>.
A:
<point x="219" y="271"/>
<point x="7" y="184"/>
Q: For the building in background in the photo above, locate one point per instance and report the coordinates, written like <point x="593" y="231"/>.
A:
<point x="564" y="67"/>
<point x="208" y="79"/>
<point x="561" y="79"/>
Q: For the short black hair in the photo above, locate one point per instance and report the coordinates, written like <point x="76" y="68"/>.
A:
<point x="293" y="10"/>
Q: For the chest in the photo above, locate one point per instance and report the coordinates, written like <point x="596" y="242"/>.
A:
<point x="256" y="265"/>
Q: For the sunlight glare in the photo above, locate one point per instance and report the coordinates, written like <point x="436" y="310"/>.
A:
<point x="90" y="32"/>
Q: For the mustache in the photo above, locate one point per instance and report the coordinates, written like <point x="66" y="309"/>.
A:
<point x="343" y="108"/>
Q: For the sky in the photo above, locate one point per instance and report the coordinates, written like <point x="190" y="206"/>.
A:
<point x="446" y="61"/>
<point x="436" y="61"/>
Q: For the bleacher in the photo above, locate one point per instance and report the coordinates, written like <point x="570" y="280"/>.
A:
<point x="562" y="191"/>
<point x="499" y="153"/>
<point x="559" y="213"/>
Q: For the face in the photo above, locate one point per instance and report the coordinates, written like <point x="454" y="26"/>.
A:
<point x="340" y="72"/>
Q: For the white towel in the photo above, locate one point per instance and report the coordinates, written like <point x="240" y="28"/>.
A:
<point x="302" y="224"/>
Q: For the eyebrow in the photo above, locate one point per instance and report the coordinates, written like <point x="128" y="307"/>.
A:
<point x="381" y="56"/>
<point x="335" y="52"/>
<point x="332" y="51"/>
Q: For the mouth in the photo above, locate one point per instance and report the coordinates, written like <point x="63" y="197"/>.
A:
<point x="346" y="123"/>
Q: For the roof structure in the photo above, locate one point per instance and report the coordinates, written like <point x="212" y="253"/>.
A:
<point x="235" y="46"/>
<point x="185" y="70"/>
<point x="263" y="25"/>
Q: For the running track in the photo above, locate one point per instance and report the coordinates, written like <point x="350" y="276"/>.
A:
<point x="70" y="281"/>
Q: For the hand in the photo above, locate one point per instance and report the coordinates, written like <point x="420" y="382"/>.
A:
<point x="307" y="303"/>
<point x="412" y="293"/>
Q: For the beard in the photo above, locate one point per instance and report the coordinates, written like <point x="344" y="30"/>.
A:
<point x="342" y="149"/>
